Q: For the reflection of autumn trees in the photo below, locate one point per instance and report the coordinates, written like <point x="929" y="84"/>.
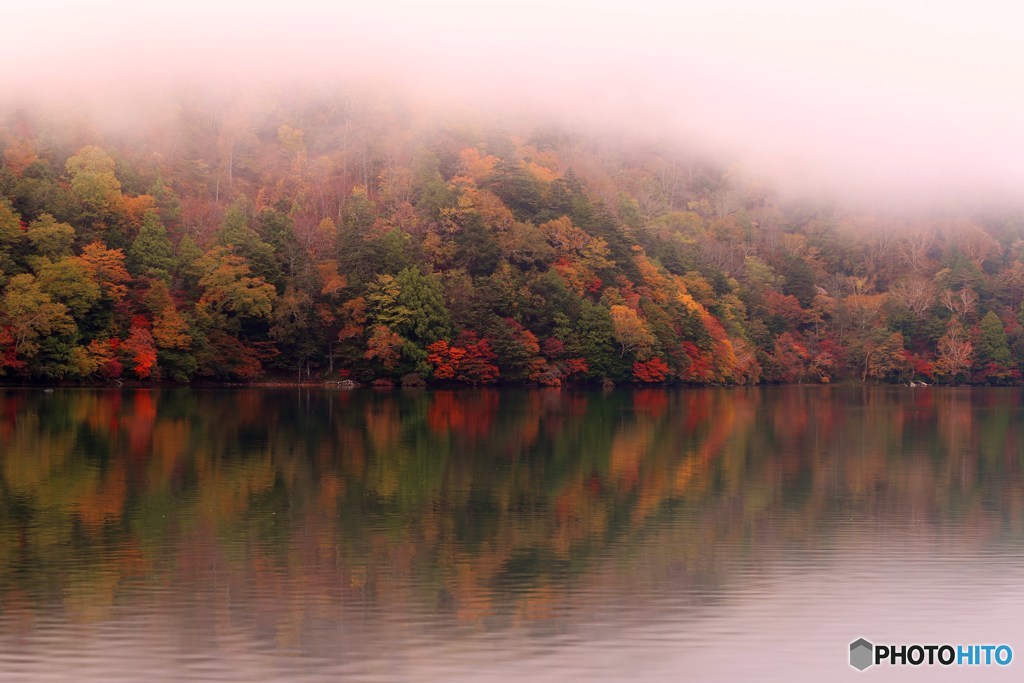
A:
<point x="481" y="504"/>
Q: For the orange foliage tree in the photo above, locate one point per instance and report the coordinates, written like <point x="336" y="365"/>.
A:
<point x="140" y="350"/>
<point x="471" y="360"/>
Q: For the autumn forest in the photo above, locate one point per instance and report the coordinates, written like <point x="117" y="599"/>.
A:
<point x="346" y="238"/>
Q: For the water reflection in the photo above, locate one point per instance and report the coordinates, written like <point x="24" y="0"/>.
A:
<point x="262" y="534"/>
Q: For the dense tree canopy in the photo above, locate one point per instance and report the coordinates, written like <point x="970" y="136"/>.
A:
<point x="331" y="239"/>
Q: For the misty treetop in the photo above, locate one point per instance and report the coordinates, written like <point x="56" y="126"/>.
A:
<point x="344" y="239"/>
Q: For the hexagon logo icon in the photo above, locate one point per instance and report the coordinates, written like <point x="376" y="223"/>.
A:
<point x="861" y="654"/>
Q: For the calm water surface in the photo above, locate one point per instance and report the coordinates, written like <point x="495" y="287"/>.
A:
<point x="705" y="535"/>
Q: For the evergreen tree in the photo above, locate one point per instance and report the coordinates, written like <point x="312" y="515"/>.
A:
<point x="993" y="345"/>
<point x="238" y="236"/>
<point x="151" y="253"/>
<point x="995" y="362"/>
<point x="593" y="338"/>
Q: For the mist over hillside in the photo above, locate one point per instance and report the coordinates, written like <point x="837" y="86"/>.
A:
<point x="524" y="192"/>
<point x="910" y="105"/>
<point x="351" y="235"/>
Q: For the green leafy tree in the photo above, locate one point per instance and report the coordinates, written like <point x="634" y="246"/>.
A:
<point x="277" y="229"/>
<point x="359" y="253"/>
<point x="11" y="236"/>
<point x="151" y="253"/>
<point x="476" y="249"/>
<point x="423" y="295"/>
<point x="296" y="330"/>
<point x="31" y="317"/>
<point x="993" y="345"/>
<point x="994" y="360"/>
<point x="230" y="287"/>
<point x="798" y="280"/>
<point x="71" y="282"/>
<point x="186" y="263"/>
<point x="382" y="296"/>
<point x="593" y="339"/>
<point x="238" y="236"/>
<point x="10" y="224"/>
<point x="231" y="315"/>
<point x="172" y="333"/>
<point x="93" y="180"/>
<point x="167" y="202"/>
<point x="50" y="238"/>
<point x="410" y="304"/>
<point x="519" y="190"/>
<point x="432" y="194"/>
<point x="38" y="191"/>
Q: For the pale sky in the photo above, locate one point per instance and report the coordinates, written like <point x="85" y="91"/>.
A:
<point x="880" y="98"/>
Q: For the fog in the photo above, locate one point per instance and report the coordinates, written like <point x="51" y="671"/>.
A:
<point x="908" y="104"/>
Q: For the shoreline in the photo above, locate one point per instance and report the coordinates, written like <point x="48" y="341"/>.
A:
<point x="337" y="385"/>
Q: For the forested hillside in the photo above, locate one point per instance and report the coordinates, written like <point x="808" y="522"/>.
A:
<point x="345" y="238"/>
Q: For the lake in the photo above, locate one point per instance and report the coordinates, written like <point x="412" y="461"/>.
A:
<point x="650" y="535"/>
